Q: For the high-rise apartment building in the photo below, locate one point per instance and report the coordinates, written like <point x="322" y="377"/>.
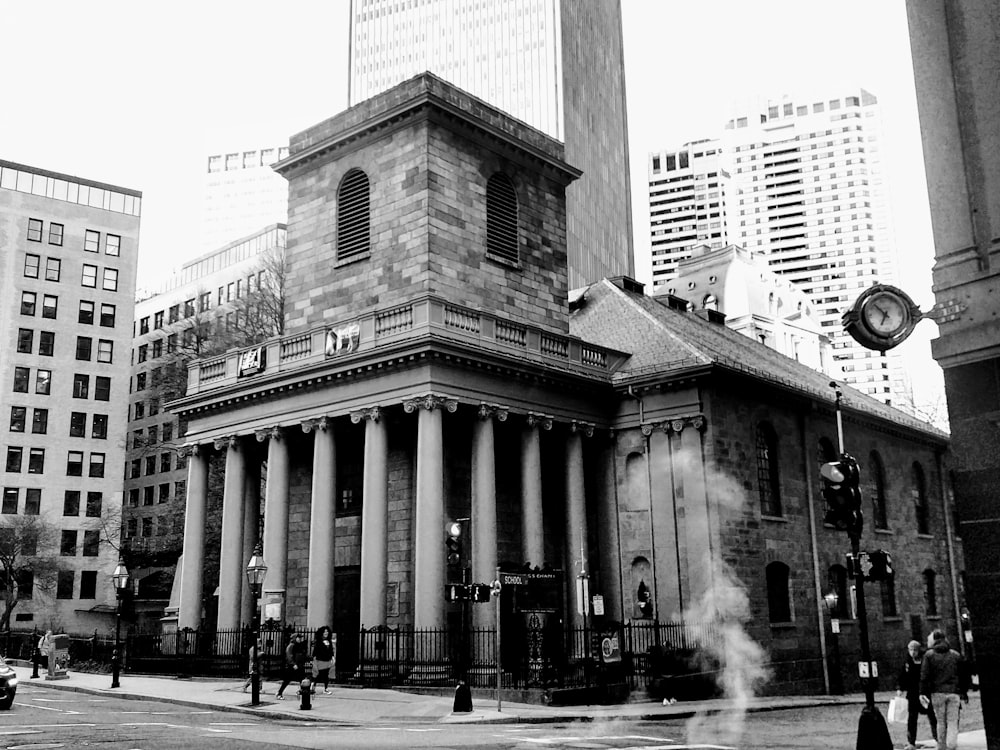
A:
<point x="196" y="311"/>
<point x="68" y="252"/>
<point x="799" y="183"/>
<point x="242" y="194"/>
<point x="558" y="66"/>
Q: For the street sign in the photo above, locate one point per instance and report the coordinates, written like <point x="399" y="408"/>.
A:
<point x="598" y="604"/>
<point x="610" y="649"/>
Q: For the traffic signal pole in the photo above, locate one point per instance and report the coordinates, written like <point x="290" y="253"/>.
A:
<point x="873" y="733"/>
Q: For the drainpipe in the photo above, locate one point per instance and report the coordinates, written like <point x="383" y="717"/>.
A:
<point x="949" y="535"/>
<point x="817" y="578"/>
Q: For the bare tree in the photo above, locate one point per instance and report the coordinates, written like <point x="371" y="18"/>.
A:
<point x="23" y="571"/>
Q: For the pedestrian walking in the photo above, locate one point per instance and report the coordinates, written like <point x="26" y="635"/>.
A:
<point x="324" y="657"/>
<point x="908" y="684"/>
<point x="295" y="663"/>
<point x="47" y="647"/>
<point x="251" y="665"/>
<point x="944" y="680"/>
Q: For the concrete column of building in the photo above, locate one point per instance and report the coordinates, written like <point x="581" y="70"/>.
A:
<point x="322" y="523"/>
<point x="484" y="505"/>
<point x="668" y="579"/>
<point x="700" y="527"/>
<point x="532" y="526"/>
<point x="251" y="526"/>
<point x="429" y="531"/>
<point x="192" y="585"/>
<point x="231" y="563"/>
<point x="608" y="533"/>
<point x="275" y="518"/>
<point x="577" y="550"/>
<point x="374" y="518"/>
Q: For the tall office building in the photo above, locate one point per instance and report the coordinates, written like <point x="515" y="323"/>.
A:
<point x="558" y="66"/>
<point x="799" y="183"/>
<point x="242" y="194"/>
<point x="68" y="252"/>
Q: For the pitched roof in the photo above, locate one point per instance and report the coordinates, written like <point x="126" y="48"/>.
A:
<point x="663" y="342"/>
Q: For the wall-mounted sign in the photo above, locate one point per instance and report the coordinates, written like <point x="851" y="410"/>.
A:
<point x="342" y="340"/>
<point x="252" y="361"/>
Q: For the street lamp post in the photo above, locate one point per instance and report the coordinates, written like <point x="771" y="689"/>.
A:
<point x="256" y="570"/>
<point x="120" y="580"/>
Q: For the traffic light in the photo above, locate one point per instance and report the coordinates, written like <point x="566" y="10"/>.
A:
<point x="481" y="592"/>
<point x="453" y="542"/>
<point x="842" y="495"/>
<point x="881" y="565"/>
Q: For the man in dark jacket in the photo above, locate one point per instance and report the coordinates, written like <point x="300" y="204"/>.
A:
<point x="943" y="681"/>
<point x="295" y="662"/>
<point x="908" y="684"/>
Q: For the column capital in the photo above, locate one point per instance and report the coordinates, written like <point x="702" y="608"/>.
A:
<point x="229" y="441"/>
<point x="317" y="424"/>
<point x="374" y="413"/>
<point x="492" y="411"/>
<point x="430" y="402"/>
<point x="194" y="449"/>
<point x="542" y="421"/>
<point x="270" y="433"/>
<point x="675" y="425"/>
<point x="586" y="428"/>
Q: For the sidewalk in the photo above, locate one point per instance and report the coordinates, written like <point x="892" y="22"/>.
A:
<point x="356" y="706"/>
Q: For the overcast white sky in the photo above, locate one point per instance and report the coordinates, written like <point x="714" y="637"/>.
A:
<point x="138" y="94"/>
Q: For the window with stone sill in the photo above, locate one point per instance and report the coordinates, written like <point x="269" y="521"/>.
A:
<point x="768" y="482"/>
<point x="779" y="603"/>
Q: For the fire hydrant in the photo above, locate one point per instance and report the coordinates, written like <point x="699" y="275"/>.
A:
<point x="305" y="693"/>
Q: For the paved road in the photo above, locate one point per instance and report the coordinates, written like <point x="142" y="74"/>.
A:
<point x="47" y="718"/>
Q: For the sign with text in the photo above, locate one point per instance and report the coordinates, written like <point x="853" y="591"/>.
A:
<point x="533" y="590"/>
<point x="252" y="361"/>
<point x="343" y="340"/>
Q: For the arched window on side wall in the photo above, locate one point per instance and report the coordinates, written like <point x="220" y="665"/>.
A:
<point x="501" y="219"/>
<point x="353" y="215"/>
<point x="779" y="601"/>
<point x="919" y="494"/>
<point x="768" y="481"/>
<point x="880" y="512"/>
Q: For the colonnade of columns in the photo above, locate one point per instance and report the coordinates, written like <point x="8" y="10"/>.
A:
<point x="240" y="515"/>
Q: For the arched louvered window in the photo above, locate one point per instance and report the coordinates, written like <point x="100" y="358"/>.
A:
<point x="501" y="219"/>
<point x="353" y="215"/>
<point x="880" y="513"/>
<point x="767" y="470"/>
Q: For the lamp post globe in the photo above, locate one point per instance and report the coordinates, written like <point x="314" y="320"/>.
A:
<point x="256" y="572"/>
<point x="120" y="580"/>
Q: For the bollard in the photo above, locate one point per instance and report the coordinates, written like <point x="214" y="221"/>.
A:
<point x="463" y="698"/>
<point x="305" y="693"/>
<point x="36" y="656"/>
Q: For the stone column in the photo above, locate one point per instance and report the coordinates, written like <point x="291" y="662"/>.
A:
<point x="484" y="505"/>
<point x="374" y="518"/>
<point x="251" y="528"/>
<point x="532" y="527"/>
<point x="231" y="563"/>
<point x="275" y="517"/>
<point x="429" y="532"/>
<point x="608" y="532"/>
<point x="700" y="524"/>
<point x="322" y="524"/>
<point x="577" y="552"/>
<point x="189" y="615"/>
<point x="668" y="591"/>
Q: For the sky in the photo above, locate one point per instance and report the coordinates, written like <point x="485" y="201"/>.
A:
<point x="139" y="94"/>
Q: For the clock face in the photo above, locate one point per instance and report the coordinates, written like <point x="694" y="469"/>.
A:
<point x="885" y="314"/>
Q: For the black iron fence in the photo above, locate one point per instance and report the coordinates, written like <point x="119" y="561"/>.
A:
<point x="528" y="657"/>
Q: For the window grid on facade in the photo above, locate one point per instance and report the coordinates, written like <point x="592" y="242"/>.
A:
<point x="880" y="515"/>
<point x="501" y="218"/>
<point x="353" y="215"/>
<point x="920" y="506"/>
<point x="767" y="470"/>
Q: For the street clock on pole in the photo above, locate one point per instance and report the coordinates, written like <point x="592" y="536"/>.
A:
<point x="882" y="317"/>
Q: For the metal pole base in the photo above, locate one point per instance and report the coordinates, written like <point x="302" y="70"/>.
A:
<point x="873" y="733"/>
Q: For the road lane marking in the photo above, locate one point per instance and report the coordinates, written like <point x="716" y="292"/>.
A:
<point x="20" y="731"/>
<point x="57" y="710"/>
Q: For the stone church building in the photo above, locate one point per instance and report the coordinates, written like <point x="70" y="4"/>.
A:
<point x="436" y="368"/>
